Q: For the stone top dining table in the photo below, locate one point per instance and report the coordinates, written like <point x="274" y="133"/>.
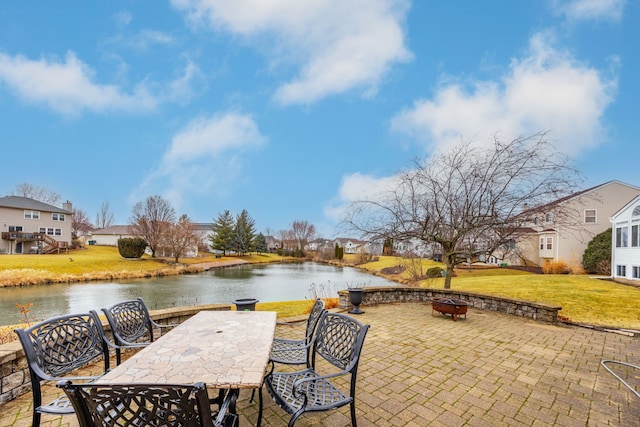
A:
<point x="223" y="349"/>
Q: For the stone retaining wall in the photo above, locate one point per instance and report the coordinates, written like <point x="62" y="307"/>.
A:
<point x="398" y="294"/>
<point x="14" y="372"/>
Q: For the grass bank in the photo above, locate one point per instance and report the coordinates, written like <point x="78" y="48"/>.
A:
<point x="583" y="299"/>
<point x="103" y="263"/>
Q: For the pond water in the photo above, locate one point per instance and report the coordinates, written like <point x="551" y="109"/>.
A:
<point x="265" y="282"/>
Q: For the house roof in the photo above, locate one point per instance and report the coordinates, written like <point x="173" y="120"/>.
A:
<point x="114" y="230"/>
<point x="574" y="195"/>
<point x="20" y="202"/>
<point x="631" y="202"/>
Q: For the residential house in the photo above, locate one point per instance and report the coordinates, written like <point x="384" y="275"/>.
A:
<point x="561" y="230"/>
<point x="625" y="257"/>
<point x="351" y="246"/>
<point x="31" y="226"/>
<point x="109" y="236"/>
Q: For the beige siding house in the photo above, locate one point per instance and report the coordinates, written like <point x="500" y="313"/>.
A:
<point x="561" y="230"/>
<point x="109" y="236"/>
<point x="625" y="257"/>
<point x="30" y="226"/>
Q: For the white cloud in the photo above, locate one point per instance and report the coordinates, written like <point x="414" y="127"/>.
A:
<point x="579" y="10"/>
<point x="357" y="187"/>
<point x="67" y="86"/>
<point x="182" y="89"/>
<point x="336" y="45"/>
<point x="547" y="90"/>
<point x="206" y="157"/>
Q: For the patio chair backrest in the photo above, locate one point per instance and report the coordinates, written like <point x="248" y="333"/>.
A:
<point x="101" y="405"/>
<point x="314" y="316"/>
<point x="59" y="345"/>
<point x="339" y="340"/>
<point x="130" y="322"/>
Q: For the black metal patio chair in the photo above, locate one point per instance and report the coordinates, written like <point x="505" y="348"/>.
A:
<point x="56" y="347"/>
<point x="296" y="351"/>
<point x="338" y="340"/>
<point x="109" y="405"/>
<point x="131" y="324"/>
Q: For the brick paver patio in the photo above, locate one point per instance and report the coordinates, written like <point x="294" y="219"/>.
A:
<point x="488" y="370"/>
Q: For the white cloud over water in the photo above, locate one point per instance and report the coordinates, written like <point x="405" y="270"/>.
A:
<point x="206" y="157"/>
<point x="68" y="86"/>
<point x="334" y="45"/>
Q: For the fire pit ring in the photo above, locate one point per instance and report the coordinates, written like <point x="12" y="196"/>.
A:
<point x="454" y="307"/>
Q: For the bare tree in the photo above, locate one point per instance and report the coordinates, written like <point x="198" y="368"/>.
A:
<point x="286" y="240"/>
<point x="80" y="223"/>
<point x="468" y="200"/>
<point x="35" y="192"/>
<point x="302" y="231"/>
<point x="104" y="217"/>
<point x="150" y="220"/>
<point x="180" y="236"/>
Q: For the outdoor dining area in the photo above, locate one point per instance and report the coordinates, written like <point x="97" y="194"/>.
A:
<point x="413" y="369"/>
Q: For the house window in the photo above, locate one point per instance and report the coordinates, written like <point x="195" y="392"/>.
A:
<point x="549" y="243"/>
<point x="636" y="211"/>
<point x="590" y="216"/>
<point x="635" y="272"/>
<point x="31" y="215"/>
<point x="621" y="270"/>
<point x="541" y="243"/>
<point x="57" y="217"/>
<point x="622" y="237"/>
<point x="549" y="217"/>
<point x="15" y="228"/>
<point x="42" y="230"/>
<point x="58" y="232"/>
<point x="635" y="236"/>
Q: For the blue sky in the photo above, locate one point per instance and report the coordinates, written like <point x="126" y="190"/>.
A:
<point x="291" y="109"/>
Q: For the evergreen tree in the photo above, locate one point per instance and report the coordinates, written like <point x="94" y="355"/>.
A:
<point x="261" y="243"/>
<point x="597" y="257"/>
<point x="222" y="233"/>
<point x="244" y="233"/>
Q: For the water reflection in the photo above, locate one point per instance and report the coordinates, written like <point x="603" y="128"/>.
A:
<point x="267" y="283"/>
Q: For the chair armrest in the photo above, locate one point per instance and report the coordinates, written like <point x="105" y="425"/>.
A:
<point x="313" y="376"/>
<point x="292" y="323"/>
<point x="158" y="325"/>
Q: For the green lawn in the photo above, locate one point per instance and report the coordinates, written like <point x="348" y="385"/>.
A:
<point x="583" y="299"/>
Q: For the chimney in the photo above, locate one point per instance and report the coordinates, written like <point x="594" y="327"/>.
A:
<point x="67" y="206"/>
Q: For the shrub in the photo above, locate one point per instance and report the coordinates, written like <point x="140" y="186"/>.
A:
<point x="597" y="257"/>
<point x="434" y="272"/>
<point x="131" y="247"/>
<point x="557" y="267"/>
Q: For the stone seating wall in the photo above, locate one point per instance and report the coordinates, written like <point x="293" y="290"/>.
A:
<point x="14" y="372"/>
<point x="400" y="294"/>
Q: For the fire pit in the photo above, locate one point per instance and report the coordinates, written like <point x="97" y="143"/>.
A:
<point x="454" y="307"/>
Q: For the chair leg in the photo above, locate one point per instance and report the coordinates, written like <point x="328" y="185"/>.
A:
<point x="353" y="413"/>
